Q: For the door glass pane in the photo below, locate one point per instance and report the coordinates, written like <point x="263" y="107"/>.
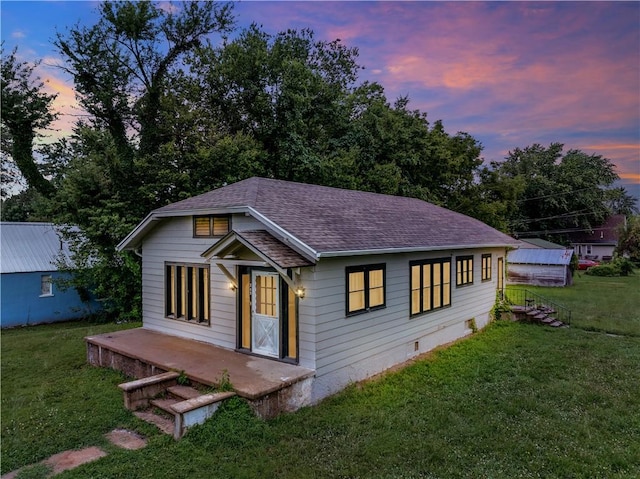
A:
<point x="266" y="296"/>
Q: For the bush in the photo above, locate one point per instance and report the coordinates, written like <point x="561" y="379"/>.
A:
<point x="618" y="267"/>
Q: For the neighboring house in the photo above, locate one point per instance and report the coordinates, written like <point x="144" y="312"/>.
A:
<point x="342" y="282"/>
<point x="540" y="267"/>
<point x="28" y="291"/>
<point x="599" y="243"/>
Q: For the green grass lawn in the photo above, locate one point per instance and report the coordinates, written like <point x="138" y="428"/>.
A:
<point x="599" y="304"/>
<point x="515" y="400"/>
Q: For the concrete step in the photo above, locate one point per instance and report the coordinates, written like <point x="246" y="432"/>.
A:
<point x="165" y="424"/>
<point x="183" y="392"/>
<point x="164" y="404"/>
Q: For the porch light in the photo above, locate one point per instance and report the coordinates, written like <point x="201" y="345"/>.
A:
<point x="300" y="292"/>
<point x="232" y="286"/>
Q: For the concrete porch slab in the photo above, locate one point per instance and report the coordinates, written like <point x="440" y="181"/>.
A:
<point x="252" y="377"/>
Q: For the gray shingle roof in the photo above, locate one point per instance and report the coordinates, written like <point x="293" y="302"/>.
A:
<point x="29" y="247"/>
<point x="274" y="249"/>
<point x="333" y="220"/>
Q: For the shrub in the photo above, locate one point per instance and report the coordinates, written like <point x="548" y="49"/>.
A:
<point x="618" y="267"/>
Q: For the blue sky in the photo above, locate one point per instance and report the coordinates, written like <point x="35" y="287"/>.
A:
<point x="509" y="73"/>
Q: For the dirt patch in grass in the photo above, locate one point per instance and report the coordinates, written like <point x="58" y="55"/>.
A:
<point x="66" y="460"/>
<point x="126" y="439"/>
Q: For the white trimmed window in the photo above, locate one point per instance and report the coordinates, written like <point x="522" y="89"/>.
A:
<point x="46" y="285"/>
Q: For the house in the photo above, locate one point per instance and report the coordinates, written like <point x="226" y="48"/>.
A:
<point x="600" y="242"/>
<point x="344" y="283"/>
<point x="540" y="266"/>
<point x="29" y="291"/>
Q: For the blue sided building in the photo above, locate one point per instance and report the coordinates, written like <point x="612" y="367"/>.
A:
<point x="29" y="290"/>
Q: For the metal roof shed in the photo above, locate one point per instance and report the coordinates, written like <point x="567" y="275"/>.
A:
<point x="540" y="267"/>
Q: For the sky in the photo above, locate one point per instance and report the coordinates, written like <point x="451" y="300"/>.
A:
<point x="510" y="74"/>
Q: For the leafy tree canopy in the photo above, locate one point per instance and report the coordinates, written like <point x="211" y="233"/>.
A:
<point x="26" y="110"/>
<point x="562" y="192"/>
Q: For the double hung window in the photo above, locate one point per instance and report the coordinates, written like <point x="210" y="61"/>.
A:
<point x="486" y="267"/>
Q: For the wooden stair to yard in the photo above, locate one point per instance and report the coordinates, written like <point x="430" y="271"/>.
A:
<point x="537" y="314"/>
<point x="179" y="407"/>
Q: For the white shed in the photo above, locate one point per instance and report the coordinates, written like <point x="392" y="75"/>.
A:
<point x="540" y="267"/>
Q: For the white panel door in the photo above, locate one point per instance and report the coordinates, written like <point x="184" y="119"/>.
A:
<point x="265" y="327"/>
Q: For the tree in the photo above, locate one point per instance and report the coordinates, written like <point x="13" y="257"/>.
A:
<point x="299" y="99"/>
<point x="629" y="240"/>
<point x="620" y="202"/>
<point x="26" y="109"/>
<point x="562" y="192"/>
<point x="286" y="91"/>
<point x="125" y="69"/>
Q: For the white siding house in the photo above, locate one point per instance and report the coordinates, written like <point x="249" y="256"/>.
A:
<point x="342" y="282"/>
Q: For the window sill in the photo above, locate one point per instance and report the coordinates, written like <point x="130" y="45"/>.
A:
<point x="363" y="311"/>
<point x="46" y="295"/>
<point x="189" y="321"/>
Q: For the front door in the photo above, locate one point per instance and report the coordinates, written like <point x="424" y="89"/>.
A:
<point x="265" y="320"/>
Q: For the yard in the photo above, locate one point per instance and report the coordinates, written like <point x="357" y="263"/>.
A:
<point x="515" y="400"/>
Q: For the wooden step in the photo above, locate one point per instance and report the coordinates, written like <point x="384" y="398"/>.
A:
<point x="548" y="320"/>
<point x="556" y="324"/>
<point x="183" y="392"/>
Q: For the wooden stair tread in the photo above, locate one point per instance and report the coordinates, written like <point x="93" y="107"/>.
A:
<point x="184" y="392"/>
<point x="556" y="324"/>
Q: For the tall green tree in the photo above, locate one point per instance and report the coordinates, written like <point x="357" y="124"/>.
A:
<point x="300" y="100"/>
<point x="126" y="68"/>
<point x="563" y="192"/>
<point x="26" y="112"/>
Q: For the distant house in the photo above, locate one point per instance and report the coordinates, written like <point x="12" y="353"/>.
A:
<point x="599" y="243"/>
<point x="540" y="267"/>
<point x="345" y="283"/>
<point x="28" y="292"/>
